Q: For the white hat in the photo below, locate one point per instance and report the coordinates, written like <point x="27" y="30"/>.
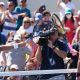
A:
<point x="78" y="12"/>
<point x="14" y="66"/>
<point x="2" y="3"/>
<point x="38" y="16"/>
<point x="17" y="37"/>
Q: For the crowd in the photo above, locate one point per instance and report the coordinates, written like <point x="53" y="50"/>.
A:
<point x="34" y="42"/>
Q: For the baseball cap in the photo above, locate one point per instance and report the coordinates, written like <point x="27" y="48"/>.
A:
<point x="14" y="66"/>
<point x="17" y="37"/>
<point x="38" y="16"/>
<point x="2" y="3"/>
<point x="68" y="11"/>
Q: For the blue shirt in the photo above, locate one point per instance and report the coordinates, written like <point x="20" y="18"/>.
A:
<point x="3" y="39"/>
<point x="19" y="10"/>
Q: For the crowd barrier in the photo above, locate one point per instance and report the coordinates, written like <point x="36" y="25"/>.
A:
<point x="38" y="72"/>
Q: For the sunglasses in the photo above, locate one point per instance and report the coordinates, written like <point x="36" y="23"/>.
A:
<point x="26" y="22"/>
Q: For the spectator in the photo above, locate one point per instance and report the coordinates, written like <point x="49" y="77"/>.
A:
<point x="10" y="47"/>
<point x="10" y="18"/>
<point x="51" y="56"/>
<point x="30" y="66"/>
<point x="17" y="56"/>
<point x="22" y="11"/>
<point x="78" y="18"/>
<point x="26" y="26"/>
<point x="70" y="25"/>
<point x="47" y="23"/>
<point x="2" y="16"/>
<point x="75" y="46"/>
<point x="38" y="23"/>
<point x="64" y="4"/>
<point x="15" y="2"/>
<point x="14" y="67"/>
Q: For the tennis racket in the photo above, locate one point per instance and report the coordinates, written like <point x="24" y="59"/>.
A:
<point x="57" y="23"/>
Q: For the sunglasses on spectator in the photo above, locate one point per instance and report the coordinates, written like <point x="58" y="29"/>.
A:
<point x="26" y="21"/>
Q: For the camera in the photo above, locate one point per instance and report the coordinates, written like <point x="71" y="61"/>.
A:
<point x="44" y="36"/>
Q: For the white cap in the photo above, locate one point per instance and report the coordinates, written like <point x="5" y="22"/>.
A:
<point x="17" y="37"/>
<point x="78" y="12"/>
<point x="38" y="16"/>
<point x="2" y="3"/>
<point x="14" y="66"/>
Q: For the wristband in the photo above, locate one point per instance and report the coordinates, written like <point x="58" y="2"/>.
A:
<point x="54" y="47"/>
<point x="15" y="46"/>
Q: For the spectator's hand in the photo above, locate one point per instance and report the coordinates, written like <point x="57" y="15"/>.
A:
<point x="73" y="51"/>
<point x="67" y="60"/>
<point x="23" y="14"/>
<point x="6" y="13"/>
<point x="50" y="44"/>
<point x="67" y="29"/>
<point x="36" y="39"/>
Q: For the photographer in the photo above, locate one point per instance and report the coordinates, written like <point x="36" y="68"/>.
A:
<point x="51" y="55"/>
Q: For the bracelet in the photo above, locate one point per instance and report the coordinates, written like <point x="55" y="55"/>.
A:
<point x="15" y="46"/>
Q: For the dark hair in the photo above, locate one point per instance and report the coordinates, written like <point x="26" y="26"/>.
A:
<point x="46" y="13"/>
<point x="64" y="0"/>
<point x="65" y="18"/>
<point x="70" y="0"/>
<point x="41" y="9"/>
<point x="24" y="0"/>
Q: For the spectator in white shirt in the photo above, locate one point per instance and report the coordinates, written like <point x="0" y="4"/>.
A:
<point x="25" y="26"/>
<point x="65" y="4"/>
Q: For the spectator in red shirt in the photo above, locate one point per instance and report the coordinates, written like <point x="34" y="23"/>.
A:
<point x="70" y="25"/>
<point x="78" y="18"/>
